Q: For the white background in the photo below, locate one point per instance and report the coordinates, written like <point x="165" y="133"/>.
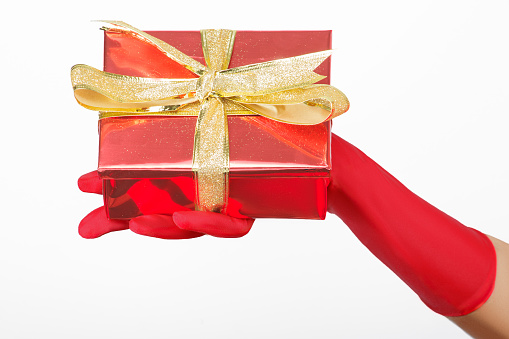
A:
<point x="427" y="82"/>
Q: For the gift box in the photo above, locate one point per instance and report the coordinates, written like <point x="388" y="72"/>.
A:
<point x="163" y="154"/>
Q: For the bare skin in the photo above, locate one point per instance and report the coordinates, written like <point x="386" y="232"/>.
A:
<point x="491" y="320"/>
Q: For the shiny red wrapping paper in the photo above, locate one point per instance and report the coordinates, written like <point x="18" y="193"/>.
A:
<point x="277" y="170"/>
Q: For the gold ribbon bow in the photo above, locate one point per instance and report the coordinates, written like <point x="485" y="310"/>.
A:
<point x="282" y="90"/>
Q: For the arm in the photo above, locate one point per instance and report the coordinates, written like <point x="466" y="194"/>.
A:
<point x="451" y="267"/>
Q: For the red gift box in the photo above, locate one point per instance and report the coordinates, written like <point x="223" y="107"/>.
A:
<point x="276" y="169"/>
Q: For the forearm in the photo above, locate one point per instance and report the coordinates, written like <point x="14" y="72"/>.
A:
<point x="450" y="266"/>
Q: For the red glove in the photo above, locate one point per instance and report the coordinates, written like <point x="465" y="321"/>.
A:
<point x="450" y="266"/>
<point x="181" y="225"/>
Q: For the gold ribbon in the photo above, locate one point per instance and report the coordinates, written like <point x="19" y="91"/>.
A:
<point x="282" y="90"/>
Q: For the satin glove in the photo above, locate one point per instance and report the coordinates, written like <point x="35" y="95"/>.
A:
<point x="451" y="267"/>
<point x="180" y="225"/>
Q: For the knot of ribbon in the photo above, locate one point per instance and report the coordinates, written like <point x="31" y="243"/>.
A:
<point x="282" y="90"/>
<point x="205" y="85"/>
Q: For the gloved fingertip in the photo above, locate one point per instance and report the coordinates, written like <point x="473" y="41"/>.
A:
<point x="90" y="183"/>
<point x="180" y="219"/>
<point x="96" y="224"/>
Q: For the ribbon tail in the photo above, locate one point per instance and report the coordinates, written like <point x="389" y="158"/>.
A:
<point x="173" y="53"/>
<point x="271" y="76"/>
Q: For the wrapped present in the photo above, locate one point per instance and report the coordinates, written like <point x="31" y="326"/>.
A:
<point x="247" y="135"/>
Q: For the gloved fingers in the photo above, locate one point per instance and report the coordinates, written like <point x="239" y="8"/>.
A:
<point x="90" y="183"/>
<point x="96" y="224"/>
<point x="189" y="224"/>
<point x="160" y="226"/>
<point x="215" y="224"/>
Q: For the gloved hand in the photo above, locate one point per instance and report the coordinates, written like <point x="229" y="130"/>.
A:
<point x="180" y="225"/>
<point x="451" y="267"/>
